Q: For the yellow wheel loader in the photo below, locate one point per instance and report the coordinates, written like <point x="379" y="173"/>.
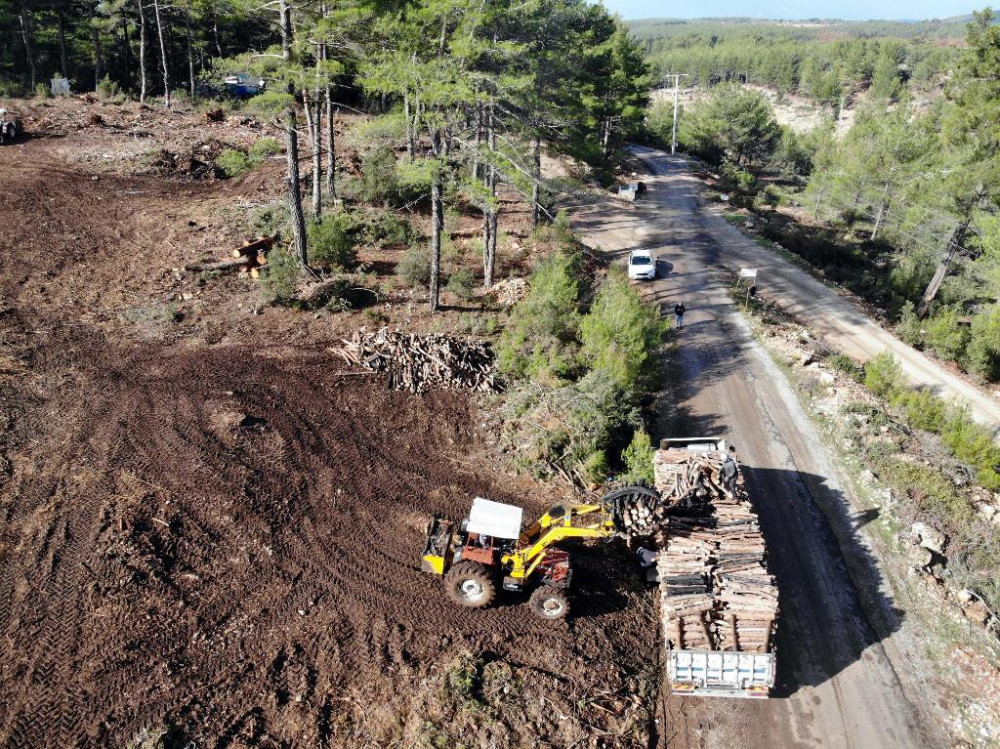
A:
<point x="489" y="549"/>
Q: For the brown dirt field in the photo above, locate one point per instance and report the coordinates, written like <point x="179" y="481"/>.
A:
<point x="206" y="525"/>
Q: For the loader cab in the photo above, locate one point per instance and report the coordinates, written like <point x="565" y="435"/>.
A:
<point x="482" y="548"/>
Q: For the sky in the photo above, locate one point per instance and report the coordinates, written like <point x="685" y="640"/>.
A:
<point x="796" y="9"/>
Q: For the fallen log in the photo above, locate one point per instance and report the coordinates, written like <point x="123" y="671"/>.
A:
<point x="238" y="263"/>
<point x="255" y="247"/>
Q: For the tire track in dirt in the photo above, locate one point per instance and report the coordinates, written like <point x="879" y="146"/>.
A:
<point x="228" y="503"/>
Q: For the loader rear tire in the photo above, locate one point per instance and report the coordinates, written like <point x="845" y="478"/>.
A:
<point x="549" y="602"/>
<point x="470" y="584"/>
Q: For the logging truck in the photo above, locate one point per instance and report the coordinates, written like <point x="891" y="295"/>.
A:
<point x="719" y="603"/>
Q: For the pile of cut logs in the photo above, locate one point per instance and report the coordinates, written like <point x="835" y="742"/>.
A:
<point x="247" y="260"/>
<point x="683" y="476"/>
<point x="716" y="591"/>
<point x="641" y="516"/>
<point x="419" y="362"/>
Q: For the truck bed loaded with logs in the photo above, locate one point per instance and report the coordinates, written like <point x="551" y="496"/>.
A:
<point x="719" y="603"/>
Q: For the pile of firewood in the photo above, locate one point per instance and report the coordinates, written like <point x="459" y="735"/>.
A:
<point x="246" y="260"/>
<point x="419" y="362"/>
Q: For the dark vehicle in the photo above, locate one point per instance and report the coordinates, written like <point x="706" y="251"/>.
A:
<point x="10" y="126"/>
<point x="243" y="85"/>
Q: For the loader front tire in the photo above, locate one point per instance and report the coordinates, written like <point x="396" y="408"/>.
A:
<point x="549" y="602"/>
<point x="470" y="584"/>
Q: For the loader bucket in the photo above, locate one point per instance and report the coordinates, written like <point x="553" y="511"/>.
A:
<point x="437" y="548"/>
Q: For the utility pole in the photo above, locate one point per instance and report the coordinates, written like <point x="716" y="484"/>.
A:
<point x="677" y="77"/>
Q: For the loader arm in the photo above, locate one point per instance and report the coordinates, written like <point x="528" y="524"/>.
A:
<point x="558" y="524"/>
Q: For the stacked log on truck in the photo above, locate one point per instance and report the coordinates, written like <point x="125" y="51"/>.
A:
<point x="717" y="596"/>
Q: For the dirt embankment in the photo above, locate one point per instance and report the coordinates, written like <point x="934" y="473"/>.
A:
<point x="224" y="539"/>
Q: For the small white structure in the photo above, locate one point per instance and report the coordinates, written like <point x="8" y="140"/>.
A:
<point x="60" y="87"/>
<point x="494" y="519"/>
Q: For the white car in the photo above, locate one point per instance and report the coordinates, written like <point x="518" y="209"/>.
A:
<point x="641" y="266"/>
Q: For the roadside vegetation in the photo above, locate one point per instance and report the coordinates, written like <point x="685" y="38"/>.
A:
<point x="941" y="467"/>
<point x="902" y="209"/>
<point x="579" y="355"/>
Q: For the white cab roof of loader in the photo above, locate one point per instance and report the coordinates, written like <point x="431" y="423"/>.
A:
<point x="494" y="519"/>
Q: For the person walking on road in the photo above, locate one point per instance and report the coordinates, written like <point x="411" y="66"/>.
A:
<point x="679" y="314"/>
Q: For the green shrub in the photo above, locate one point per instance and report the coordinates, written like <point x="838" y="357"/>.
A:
<point x="462" y="283"/>
<point x="332" y="241"/>
<point x="638" y="458"/>
<point x="415" y="266"/>
<point x="931" y="491"/>
<point x="946" y="336"/>
<point x="540" y="338"/>
<point x="983" y="352"/>
<point x="923" y="409"/>
<point x="264" y="147"/>
<point x="883" y="375"/>
<point x="109" y="89"/>
<point x="974" y="444"/>
<point x="737" y="179"/>
<point x="280" y="282"/>
<point x="233" y="163"/>
<point x="42" y="91"/>
<point x="379" y="180"/>
<point x="910" y="328"/>
<point x="595" y="467"/>
<point x="848" y="366"/>
<point x="11" y="90"/>
<point x="387" y="227"/>
<point x="622" y="335"/>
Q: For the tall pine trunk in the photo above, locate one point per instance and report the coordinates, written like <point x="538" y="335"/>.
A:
<point x="331" y="157"/>
<point x="317" y="158"/>
<point x="142" y="52"/>
<point x="215" y="33"/>
<point x="29" y="51"/>
<point x="190" y="50"/>
<point x="163" y="54"/>
<point x="63" y="59"/>
<point x="437" y="228"/>
<point x="98" y="56"/>
<point x="410" y="139"/>
<point x="127" y="54"/>
<point x="292" y="183"/>
<point x="490" y="243"/>
<point x="285" y="22"/>
<point x="536" y="179"/>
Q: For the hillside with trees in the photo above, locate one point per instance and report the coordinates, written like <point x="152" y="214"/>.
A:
<point x="824" y="60"/>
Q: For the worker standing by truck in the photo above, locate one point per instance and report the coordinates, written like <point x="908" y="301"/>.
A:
<point x="729" y="472"/>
